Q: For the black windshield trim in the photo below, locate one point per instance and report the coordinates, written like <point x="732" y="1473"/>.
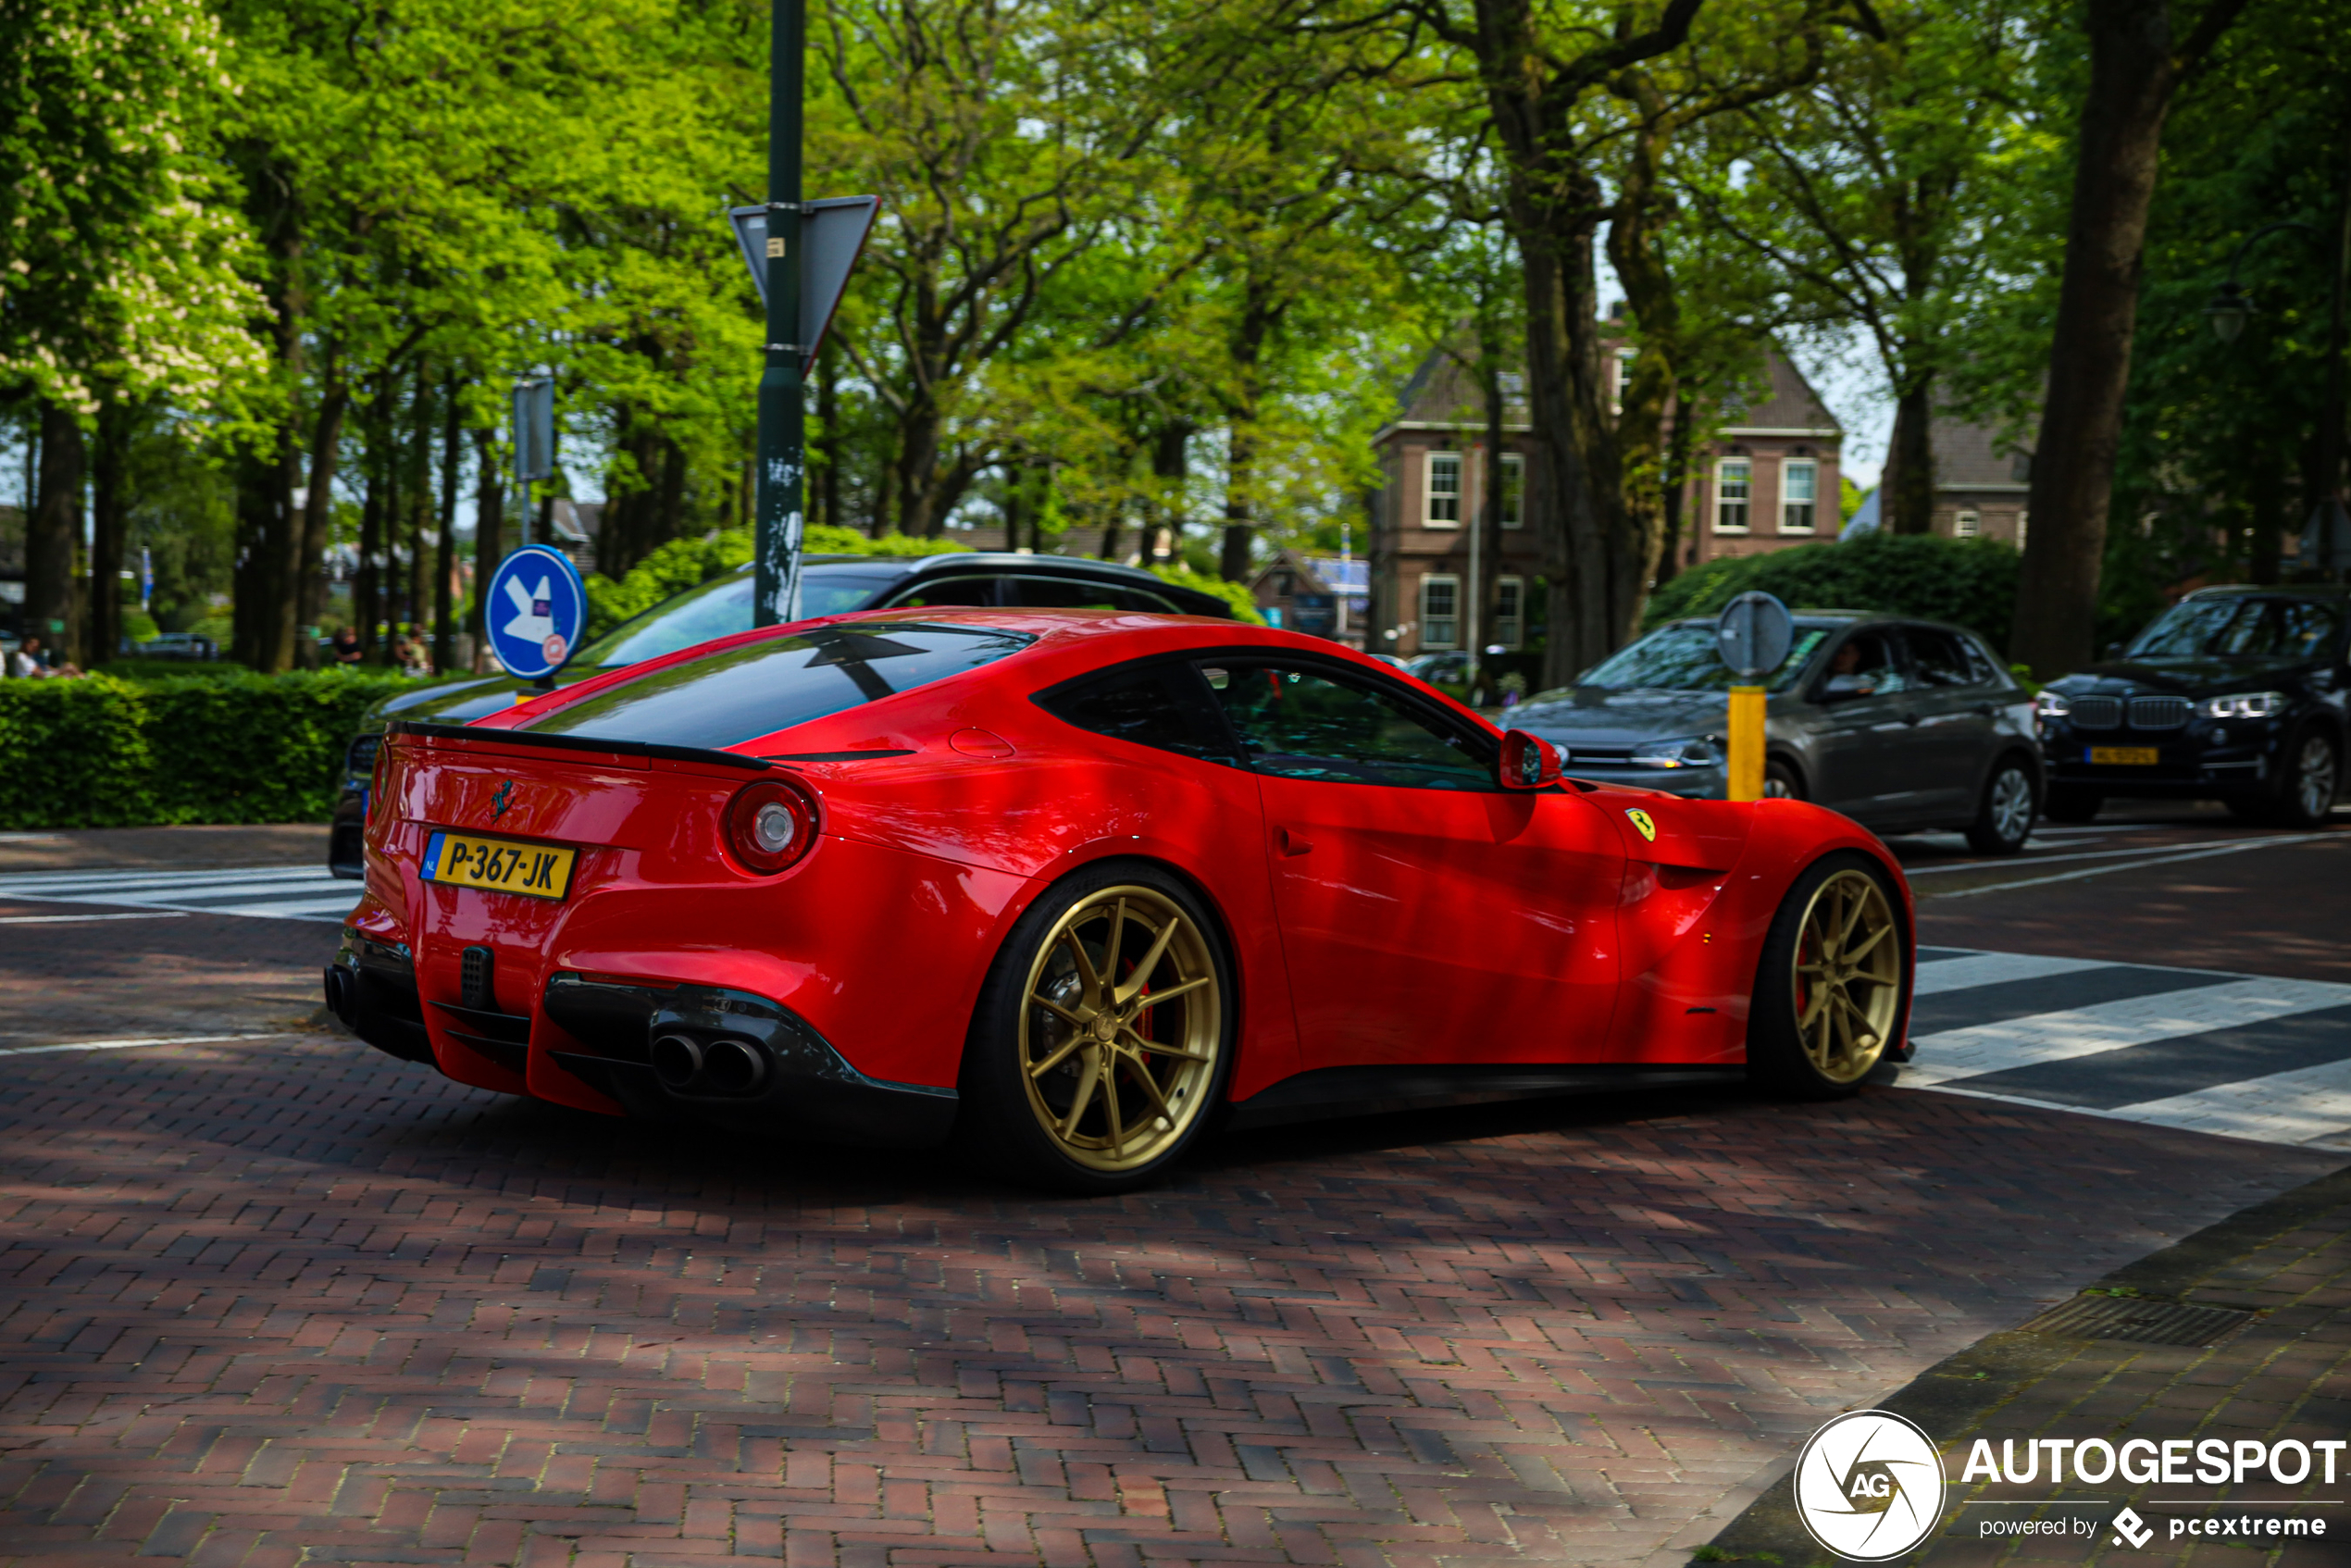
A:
<point x="576" y="743"/>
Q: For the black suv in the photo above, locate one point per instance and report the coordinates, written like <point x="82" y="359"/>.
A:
<point x="2235" y="694"/>
<point x="830" y="585"/>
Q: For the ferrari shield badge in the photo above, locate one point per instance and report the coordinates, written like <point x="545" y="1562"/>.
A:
<point x="1641" y="820"/>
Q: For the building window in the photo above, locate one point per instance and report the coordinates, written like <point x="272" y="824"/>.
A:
<point x="1510" y="617"/>
<point x="1733" y="476"/>
<point x="1799" y="484"/>
<point x="1620" y="380"/>
<point x="1444" y="489"/>
<point x="1968" y="524"/>
<point x="2023" y="518"/>
<point x="1441" y="611"/>
<point x="1513" y="491"/>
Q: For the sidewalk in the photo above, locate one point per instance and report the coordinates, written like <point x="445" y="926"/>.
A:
<point x="2276" y="1281"/>
<point x="90" y="849"/>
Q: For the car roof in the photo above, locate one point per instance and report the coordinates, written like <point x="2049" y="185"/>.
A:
<point x="2273" y="591"/>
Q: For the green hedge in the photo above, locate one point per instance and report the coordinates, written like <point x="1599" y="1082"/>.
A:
<point x="1970" y="582"/>
<point x="107" y="752"/>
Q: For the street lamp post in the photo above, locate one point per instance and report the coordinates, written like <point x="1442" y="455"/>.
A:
<point x="781" y="475"/>
<point x="2330" y="529"/>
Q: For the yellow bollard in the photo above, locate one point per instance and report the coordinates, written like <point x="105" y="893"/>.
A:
<point x="1746" y="760"/>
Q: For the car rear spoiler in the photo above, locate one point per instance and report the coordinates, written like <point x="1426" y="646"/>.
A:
<point x="466" y="732"/>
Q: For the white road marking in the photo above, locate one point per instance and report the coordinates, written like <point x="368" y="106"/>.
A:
<point x="82" y="919"/>
<point x="2294" y="1107"/>
<point x="134" y="1044"/>
<point x="1996" y="968"/>
<point x="2030" y="859"/>
<point x="2112" y="1026"/>
<point x="283" y="892"/>
<point x="2228" y="846"/>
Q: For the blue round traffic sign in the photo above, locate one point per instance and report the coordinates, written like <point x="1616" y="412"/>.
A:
<point x="534" y="609"/>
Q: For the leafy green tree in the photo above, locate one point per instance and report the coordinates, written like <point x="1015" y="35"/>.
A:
<point x="1870" y="192"/>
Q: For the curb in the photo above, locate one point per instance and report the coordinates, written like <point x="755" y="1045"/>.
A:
<point x="1954" y="1395"/>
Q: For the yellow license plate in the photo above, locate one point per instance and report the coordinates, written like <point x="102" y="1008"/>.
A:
<point x="2123" y="756"/>
<point x="539" y="871"/>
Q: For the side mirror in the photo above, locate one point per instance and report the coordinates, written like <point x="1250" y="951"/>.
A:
<point x="1529" y="762"/>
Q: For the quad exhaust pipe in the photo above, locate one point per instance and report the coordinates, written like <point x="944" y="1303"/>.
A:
<point x="728" y="1065"/>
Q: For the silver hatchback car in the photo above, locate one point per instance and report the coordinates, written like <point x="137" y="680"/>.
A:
<point x="1904" y="725"/>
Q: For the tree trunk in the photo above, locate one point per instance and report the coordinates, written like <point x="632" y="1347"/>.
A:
<point x="420" y="508"/>
<point x="2132" y="75"/>
<point x="918" y="433"/>
<point x="367" y="583"/>
<point x="318" y="511"/>
<point x="53" y="530"/>
<point x="1240" y="534"/>
<point x="1905" y="498"/>
<point x="490" y="537"/>
<point x="445" y="619"/>
<point x="110" y="522"/>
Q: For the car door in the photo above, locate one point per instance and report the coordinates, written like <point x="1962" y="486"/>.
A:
<point x="1957" y="728"/>
<point x="1428" y="915"/>
<point x="1864" y="764"/>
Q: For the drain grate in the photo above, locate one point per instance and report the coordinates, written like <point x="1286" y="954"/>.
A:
<point x="2146" y="1322"/>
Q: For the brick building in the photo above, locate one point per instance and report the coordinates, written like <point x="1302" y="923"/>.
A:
<point x="1767" y="478"/>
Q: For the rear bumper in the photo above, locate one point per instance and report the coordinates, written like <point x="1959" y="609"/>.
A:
<point x="603" y="1033"/>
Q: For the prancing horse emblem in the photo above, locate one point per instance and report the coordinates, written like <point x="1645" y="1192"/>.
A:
<point x="498" y="801"/>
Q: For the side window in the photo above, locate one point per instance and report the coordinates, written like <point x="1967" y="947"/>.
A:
<point x="962" y="591"/>
<point x="1302" y="723"/>
<point x="1866" y="664"/>
<point x="1161" y="707"/>
<point x="1940" y="659"/>
<point x="1065" y="594"/>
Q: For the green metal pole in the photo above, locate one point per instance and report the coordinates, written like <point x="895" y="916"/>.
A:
<point x="782" y="469"/>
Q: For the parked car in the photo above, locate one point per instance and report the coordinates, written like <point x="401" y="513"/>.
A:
<point x="1903" y="726"/>
<point x="830" y="585"/>
<point x="1073" y="889"/>
<point x="2234" y="694"/>
<point x="178" y="646"/>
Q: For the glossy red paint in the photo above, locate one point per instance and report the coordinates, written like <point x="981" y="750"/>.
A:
<point x="1367" y="925"/>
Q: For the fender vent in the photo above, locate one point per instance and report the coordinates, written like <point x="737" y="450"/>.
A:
<point x="2143" y="1323"/>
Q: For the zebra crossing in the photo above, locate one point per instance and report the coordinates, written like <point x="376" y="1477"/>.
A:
<point x="2241" y="1055"/>
<point x="280" y="892"/>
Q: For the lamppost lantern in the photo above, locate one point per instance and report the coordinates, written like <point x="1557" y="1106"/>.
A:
<point x="2228" y="311"/>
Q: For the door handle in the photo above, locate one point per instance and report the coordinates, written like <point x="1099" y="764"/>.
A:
<point x="1293" y="843"/>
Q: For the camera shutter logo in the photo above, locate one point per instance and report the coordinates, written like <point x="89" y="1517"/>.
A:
<point x="1869" y="1485"/>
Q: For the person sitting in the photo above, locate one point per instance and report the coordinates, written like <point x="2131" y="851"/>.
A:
<point x="30" y="662"/>
<point x="346" y="649"/>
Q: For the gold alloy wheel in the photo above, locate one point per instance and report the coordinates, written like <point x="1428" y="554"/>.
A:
<point x="1848" y="976"/>
<point x="1120" y="1028"/>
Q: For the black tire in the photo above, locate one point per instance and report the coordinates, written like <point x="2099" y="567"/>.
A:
<point x="2004" y="816"/>
<point x="2070" y="803"/>
<point x="2310" y="772"/>
<point x="1777" y="1056"/>
<point x="1781" y="781"/>
<point x="1003" y="1122"/>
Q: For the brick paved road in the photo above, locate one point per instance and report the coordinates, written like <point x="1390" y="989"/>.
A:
<point x="290" y="1301"/>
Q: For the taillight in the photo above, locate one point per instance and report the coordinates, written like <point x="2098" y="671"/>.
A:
<point x="770" y="826"/>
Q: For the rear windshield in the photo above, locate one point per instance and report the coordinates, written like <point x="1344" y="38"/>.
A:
<point x="740" y="693"/>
